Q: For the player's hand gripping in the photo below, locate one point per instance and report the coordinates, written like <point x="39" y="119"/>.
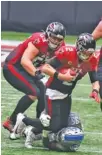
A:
<point x="95" y="95"/>
<point x="45" y="119"/>
<point x="38" y="75"/>
<point x="70" y="75"/>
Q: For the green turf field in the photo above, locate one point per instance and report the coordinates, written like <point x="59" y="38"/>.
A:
<point x="21" y="36"/>
<point x="88" y="110"/>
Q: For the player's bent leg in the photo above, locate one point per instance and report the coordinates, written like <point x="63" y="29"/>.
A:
<point x="32" y="97"/>
<point x="22" y="105"/>
<point x="27" y="86"/>
<point x="30" y="137"/>
<point x="40" y="107"/>
<point x="61" y="110"/>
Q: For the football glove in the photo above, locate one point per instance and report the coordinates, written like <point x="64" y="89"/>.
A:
<point x="45" y="119"/>
<point x="94" y="95"/>
<point x="38" y="75"/>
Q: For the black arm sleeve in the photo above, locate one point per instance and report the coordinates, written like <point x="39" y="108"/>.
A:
<point x="93" y="76"/>
<point x="54" y="62"/>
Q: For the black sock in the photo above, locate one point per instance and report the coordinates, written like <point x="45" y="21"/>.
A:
<point x="23" y="104"/>
<point x="39" y="107"/>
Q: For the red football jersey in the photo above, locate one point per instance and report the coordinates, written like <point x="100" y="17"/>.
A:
<point x="68" y="57"/>
<point x="100" y="55"/>
<point x="38" y="39"/>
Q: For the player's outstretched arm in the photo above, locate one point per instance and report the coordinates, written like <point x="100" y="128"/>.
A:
<point x="49" y="70"/>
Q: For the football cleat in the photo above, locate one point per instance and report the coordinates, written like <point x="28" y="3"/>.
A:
<point x="14" y="136"/>
<point x="30" y="137"/>
<point x="20" y="125"/>
<point x="8" y="125"/>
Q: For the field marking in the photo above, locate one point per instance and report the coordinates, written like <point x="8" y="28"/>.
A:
<point x="14" y="97"/>
<point x="82" y="149"/>
<point x="83" y="84"/>
<point x="93" y="133"/>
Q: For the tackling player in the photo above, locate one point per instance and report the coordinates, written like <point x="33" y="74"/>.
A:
<point x="81" y="60"/>
<point x="97" y="34"/>
<point x="20" y="66"/>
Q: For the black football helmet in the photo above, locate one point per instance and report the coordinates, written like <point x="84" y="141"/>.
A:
<point x="85" y="46"/>
<point x="55" y="32"/>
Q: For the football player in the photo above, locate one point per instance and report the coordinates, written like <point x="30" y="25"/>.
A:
<point x="76" y="60"/>
<point x="97" y="34"/>
<point x="20" y="66"/>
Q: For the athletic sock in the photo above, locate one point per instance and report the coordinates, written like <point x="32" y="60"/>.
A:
<point x="23" y="104"/>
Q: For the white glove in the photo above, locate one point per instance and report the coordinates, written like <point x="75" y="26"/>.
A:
<point x="45" y="119"/>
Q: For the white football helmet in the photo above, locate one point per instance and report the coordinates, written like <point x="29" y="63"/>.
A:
<point x="70" y="138"/>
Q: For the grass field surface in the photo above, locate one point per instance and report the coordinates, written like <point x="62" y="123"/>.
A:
<point x="22" y="36"/>
<point x="87" y="108"/>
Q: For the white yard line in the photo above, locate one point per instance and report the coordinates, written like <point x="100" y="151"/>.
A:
<point x="87" y="85"/>
<point x="82" y="149"/>
<point x="93" y="133"/>
<point x="87" y="150"/>
<point x="81" y="99"/>
<point x="14" y="97"/>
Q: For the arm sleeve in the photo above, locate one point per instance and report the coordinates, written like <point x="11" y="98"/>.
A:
<point x="93" y="76"/>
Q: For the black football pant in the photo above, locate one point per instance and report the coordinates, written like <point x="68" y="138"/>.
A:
<point x="22" y="81"/>
<point x="59" y="111"/>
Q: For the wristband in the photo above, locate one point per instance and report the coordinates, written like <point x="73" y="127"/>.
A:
<point x="95" y="90"/>
<point x="55" y="75"/>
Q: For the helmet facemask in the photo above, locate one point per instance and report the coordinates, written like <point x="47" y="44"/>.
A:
<point x="85" y="54"/>
<point x="85" y="46"/>
<point x="54" y="41"/>
<point x="55" y="35"/>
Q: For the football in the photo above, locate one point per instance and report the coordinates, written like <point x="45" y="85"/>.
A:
<point x="71" y="71"/>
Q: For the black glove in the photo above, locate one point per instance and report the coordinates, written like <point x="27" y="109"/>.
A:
<point x="38" y="75"/>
